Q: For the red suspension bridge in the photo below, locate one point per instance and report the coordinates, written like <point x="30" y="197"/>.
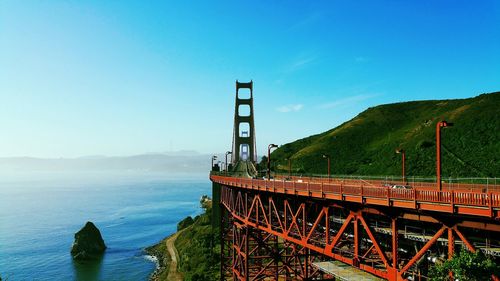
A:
<point x="310" y="228"/>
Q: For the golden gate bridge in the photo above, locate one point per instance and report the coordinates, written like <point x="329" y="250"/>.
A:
<point x="287" y="227"/>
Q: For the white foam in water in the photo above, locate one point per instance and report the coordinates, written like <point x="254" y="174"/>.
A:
<point x="114" y="224"/>
<point x="153" y="259"/>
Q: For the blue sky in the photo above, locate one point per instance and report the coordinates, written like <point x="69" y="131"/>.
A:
<point x="128" y="77"/>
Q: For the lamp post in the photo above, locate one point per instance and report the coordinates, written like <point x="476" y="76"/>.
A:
<point x="439" y="125"/>
<point x="227" y="153"/>
<point x="269" y="147"/>
<point x="213" y="159"/>
<point x="327" y="158"/>
<point x="403" y="158"/>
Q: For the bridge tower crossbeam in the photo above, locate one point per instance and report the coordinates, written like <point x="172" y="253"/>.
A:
<point x="244" y="146"/>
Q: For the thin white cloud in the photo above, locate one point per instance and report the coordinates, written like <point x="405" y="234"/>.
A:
<point x="300" y="63"/>
<point x="290" y="108"/>
<point x="347" y="101"/>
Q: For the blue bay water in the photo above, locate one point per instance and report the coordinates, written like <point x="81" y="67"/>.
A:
<point x="39" y="218"/>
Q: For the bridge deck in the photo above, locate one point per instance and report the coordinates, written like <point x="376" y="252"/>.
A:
<point x="485" y="204"/>
<point x="344" y="271"/>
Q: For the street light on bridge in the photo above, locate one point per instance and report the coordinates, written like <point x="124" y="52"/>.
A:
<point x="269" y="147"/>
<point x="213" y="159"/>
<point x="403" y="158"/>
<point x="227" y="153"/>
<point x="439" y="125"/>
<point x="328" y="158"/>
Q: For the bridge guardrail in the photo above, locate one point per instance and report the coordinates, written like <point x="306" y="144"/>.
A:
<point x="416" y="182"/>
<point x="487" y="200"/>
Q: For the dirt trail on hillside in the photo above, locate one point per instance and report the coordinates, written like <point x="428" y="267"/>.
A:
<point x="173" y="274"/>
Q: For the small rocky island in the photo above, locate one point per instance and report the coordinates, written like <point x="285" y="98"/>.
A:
<point x="88" y="243"/>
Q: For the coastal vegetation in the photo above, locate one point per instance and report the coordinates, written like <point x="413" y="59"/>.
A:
<point x="366" y="144"/>
<point x="466" y="266"/>
<point x="185" y="223"/>
<point x="198" y="247"/>
<point x="199" y="250"/>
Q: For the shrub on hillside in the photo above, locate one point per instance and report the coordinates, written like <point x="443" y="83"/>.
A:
<point x="185" y="223"/>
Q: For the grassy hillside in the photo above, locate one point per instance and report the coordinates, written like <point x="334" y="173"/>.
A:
<point x="366" y="144"/>
<point x="199" y="250"/>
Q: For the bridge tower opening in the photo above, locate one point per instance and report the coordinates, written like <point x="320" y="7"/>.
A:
<point x="244" y="156"/>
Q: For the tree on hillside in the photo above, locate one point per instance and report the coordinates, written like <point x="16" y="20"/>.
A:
<point x="262" y="165"/>
<point x="465" y="266"/>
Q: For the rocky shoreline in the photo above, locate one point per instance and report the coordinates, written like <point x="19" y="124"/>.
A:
<point x="163" y="259"/>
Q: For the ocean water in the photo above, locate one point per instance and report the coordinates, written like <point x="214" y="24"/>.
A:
<point x="38" y="219"/>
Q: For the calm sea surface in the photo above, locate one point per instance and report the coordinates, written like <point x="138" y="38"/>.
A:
<point x="38" y="219"/>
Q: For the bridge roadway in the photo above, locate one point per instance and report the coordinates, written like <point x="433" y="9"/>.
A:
<point x="459" y="200"/>
<point x="302" y="215"/>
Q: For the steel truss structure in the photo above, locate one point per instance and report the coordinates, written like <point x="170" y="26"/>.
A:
<point x="272" y="236"/>
<point x="253" y="254"/>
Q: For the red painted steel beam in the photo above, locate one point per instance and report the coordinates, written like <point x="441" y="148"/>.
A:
<point x="315" y="225"/>
<point x="374" y="241"/>
<point x="329" y="247"/>
<point x="394" y="228"/>
<point x="368" y="251"/>
<point x="466" y="242"/>
<point x="356" y="242"/>
<point x="451" y="244"/>
<point x="423" y="250"/>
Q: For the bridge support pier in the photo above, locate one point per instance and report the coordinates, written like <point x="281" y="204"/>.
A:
<point x="355" y="259"/>
<point x="395" y="234"/>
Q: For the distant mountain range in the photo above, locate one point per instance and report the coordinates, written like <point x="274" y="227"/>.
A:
<point x="366" y="144"/>
<point x="172" y="162"/>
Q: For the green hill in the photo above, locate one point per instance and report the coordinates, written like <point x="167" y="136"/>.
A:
<point x="366" y="144"/>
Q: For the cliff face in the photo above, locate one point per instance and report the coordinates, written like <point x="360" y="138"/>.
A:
<point x="88" y="243"/>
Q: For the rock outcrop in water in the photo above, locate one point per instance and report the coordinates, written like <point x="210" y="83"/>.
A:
<point x="88" y="243"/>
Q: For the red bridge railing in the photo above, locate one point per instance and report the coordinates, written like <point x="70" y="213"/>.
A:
<point x="460" y="201"/>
